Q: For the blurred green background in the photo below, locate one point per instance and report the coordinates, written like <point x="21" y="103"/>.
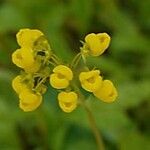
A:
<point x="125" y="124"/>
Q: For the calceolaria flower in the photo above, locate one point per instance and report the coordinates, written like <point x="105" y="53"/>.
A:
<point x="107" y="92"/>
<point x="91" y="80"/>
<point x="96" y="44"/>
<point x="40" y="65"/>
<point x="29" y="101"/>
<point x="61" y="77"/>
<point x="67" y="101"/>
<point x="27" y="37"/>
<point x="18" y="84"/>
<point x="24" y="59"/>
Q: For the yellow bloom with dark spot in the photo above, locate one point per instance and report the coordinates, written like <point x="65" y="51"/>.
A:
<point x="24" y="58"/>
<point x="61" y="77"/>
<point x="29" y="100"/>
<point x="107" y="92"/>
<point x="96" y="43"/>
<point x="91" y="80"/>
<point x="27" y="37"/>
<point x="67" y="101"/>
<point x="18" y="85"/>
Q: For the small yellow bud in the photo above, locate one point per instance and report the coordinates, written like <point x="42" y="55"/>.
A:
<point x="29" y="100"/>
<point x="91" y="80"/>
<point x="67" y="101"/>
<point x="61" y="77"/>
<point x="107" y="92"/>
<point x="18" y="85"/>
<point x="27" y="37"/>
<point x="97" y="43"/>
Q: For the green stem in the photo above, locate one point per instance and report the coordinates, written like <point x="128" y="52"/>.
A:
<point x="84" y="59"/>
<point x="53" y="64"/>
<point x="75" y="60"/>
<point x="40" y="83"/>
<point x="55" y="60"/>
<point x="92" y="121"/>
<point x="94" y="128"/>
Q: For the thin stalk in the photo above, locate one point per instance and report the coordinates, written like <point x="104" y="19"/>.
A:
<point x="76" y="58"/>
<point x="40" y="83"/>
<point x="94" y="128"/>
<point x="92" y="121"/>
<point x="77" y="61"/>
<point x="55" y="60"/>
<point x="53" y="64"/>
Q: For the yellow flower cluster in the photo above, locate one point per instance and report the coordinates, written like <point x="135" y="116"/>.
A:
<point x="60" y="79"/>
<point x="28" y="99"/>
<point x="103" y="89"/>
<point x="39" y="63"/>
<point x="27" y="57"/>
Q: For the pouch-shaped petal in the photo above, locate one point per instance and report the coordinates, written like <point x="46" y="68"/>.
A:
<point x="27" y="37"/>
<point x="29" y="100"/>
<point x="107" y="92"/>
<point x="67" y="101"/>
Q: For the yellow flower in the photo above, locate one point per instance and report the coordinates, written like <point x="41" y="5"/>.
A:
<point x="67" y="101"/>
<point x="27" y="57"/>
<point x="90" y="80"/>
<point x="24" y="58"/>
<point x="18" y="85"/>
<point x="107" y="92"/>
<point x="29" y="100"/>
<point x="27" y="37"/>
<point x="17" y="58"/>
<point x="34" y="67"/>
<point x="61" y="77"/>
<point x="97" y="43"/>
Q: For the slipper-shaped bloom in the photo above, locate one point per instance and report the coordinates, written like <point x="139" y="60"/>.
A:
<point x="29" y="100"/>
<point x="96" y="43"/>
<point x="61" y="77"/>
<point x="91" y="80"/>
<point x="27" y="37"/>
<point x="107" y="92"/>
<point x="24" y="58"/>
<point x="17" y="58"/>
<point x="67" y="101"/>
<point x="18" y="85"/>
